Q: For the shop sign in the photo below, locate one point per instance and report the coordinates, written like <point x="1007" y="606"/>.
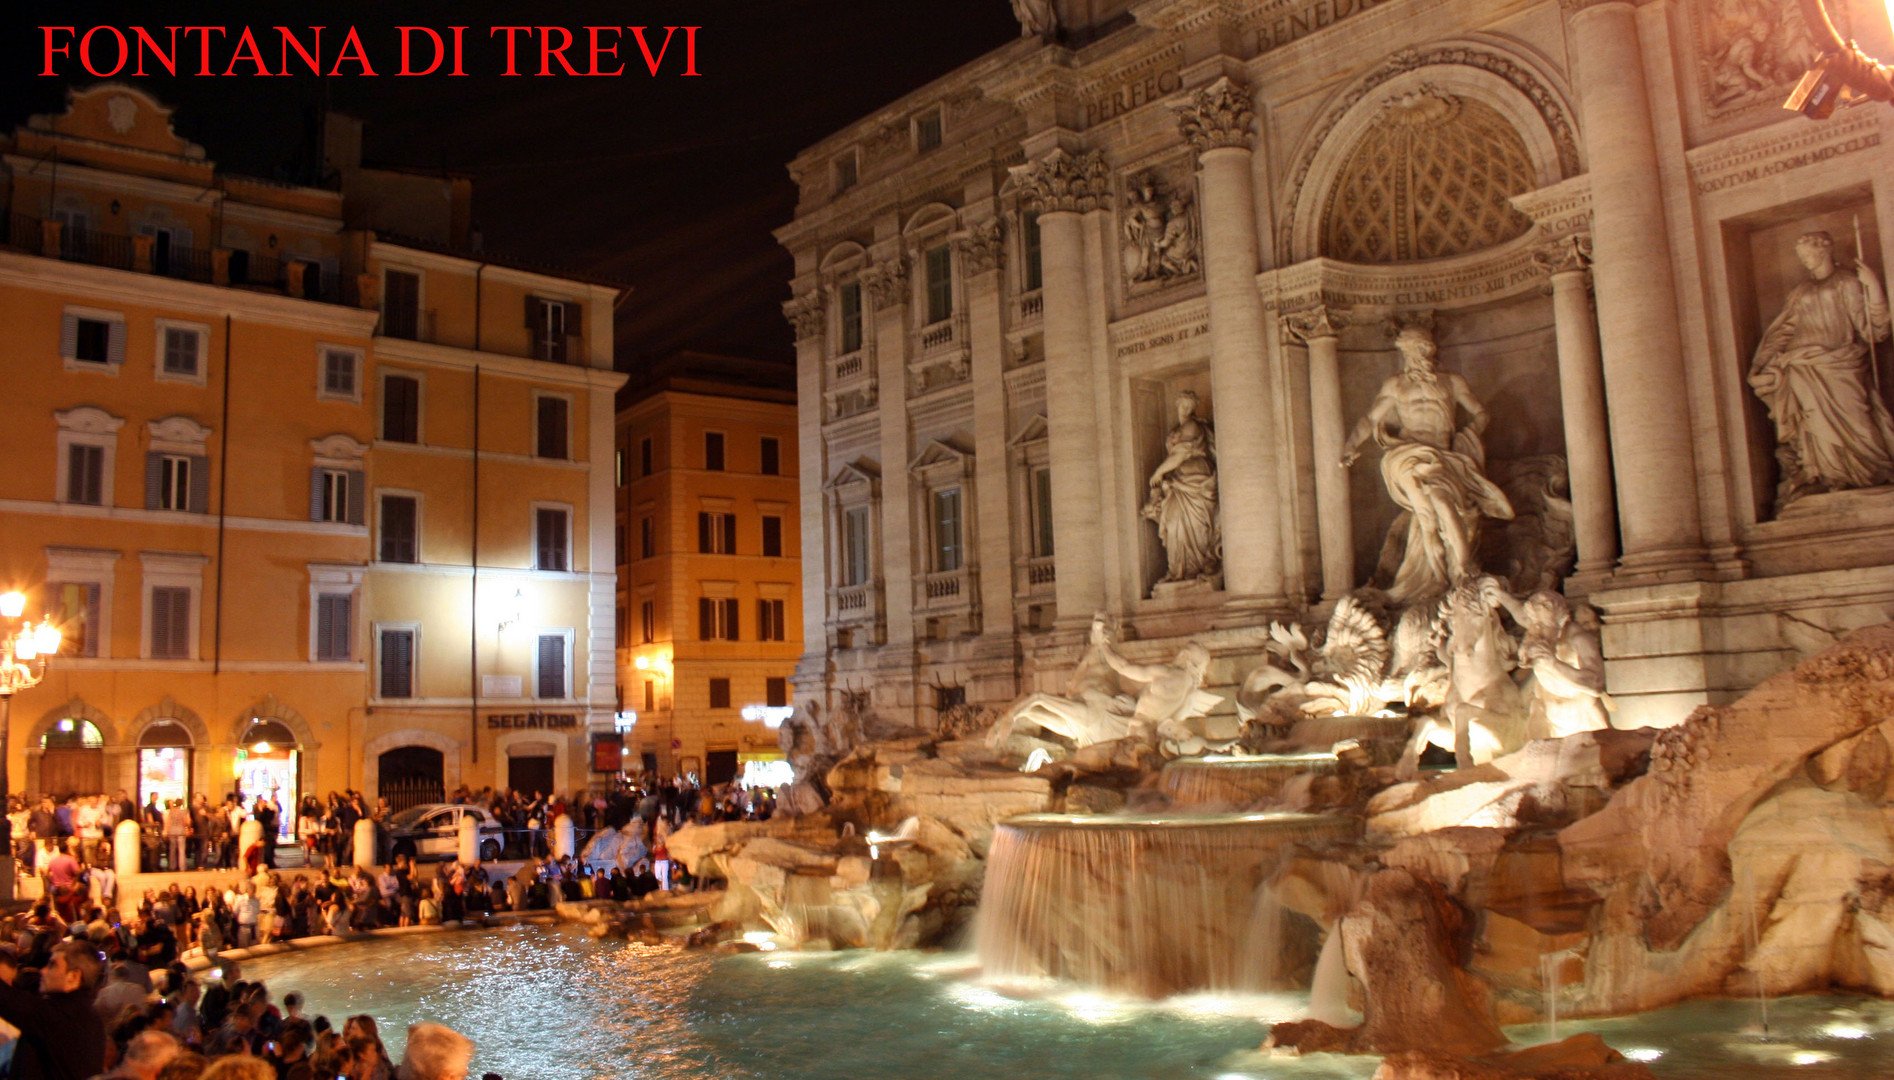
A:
<point x="542" y="721"/>
<point x="608" y="753"/>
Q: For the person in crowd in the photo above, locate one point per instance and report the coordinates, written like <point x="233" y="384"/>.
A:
<point x="146" y="1055"/>
<point x="365" y="1044"/>
<point x="188" y="1065"/>
<point x="435" y="1052"/>
<point x="61" y="1037"/>
<point x="238" y="1067"/>
<point x="120" y="991"/>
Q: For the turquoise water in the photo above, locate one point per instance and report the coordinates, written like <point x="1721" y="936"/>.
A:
<point x="546" y="1003"/>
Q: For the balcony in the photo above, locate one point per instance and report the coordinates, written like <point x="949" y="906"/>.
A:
<point x="1028" y="308"/>
<point x="940" y="354"/>
<point x="946" y="590"/>
<point x="145" y="255"/>
<point x="849" y="367"/>
<point x="1034" y="576"/>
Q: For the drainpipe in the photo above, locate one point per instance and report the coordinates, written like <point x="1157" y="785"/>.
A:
<point x="223" y="491"/>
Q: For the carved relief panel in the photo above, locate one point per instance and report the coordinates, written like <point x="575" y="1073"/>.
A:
<point x="1159" y="229"/>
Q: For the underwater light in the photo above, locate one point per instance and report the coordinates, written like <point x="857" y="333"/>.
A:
<point x="759" y="937"/>
<point x="1844" y="1031"/>
<point x="780" y="964"/>
<point x="1643" y="1053"/>
<point x="1810" y="1057"/>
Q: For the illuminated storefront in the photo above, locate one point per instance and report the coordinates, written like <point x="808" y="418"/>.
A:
<point x="267" y="765"/>
<point x="164" y="764"/>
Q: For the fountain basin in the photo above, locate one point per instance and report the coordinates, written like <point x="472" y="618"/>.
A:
<point x="1243" y="781"/>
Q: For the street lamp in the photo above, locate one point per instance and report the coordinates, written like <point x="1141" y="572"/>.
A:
<point x="24" y="649"/>
<point x="1840" y="67"/>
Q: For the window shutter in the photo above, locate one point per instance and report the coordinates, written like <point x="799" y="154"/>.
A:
<point x="181" y="623"/>
<point x="154" y="480"/>
<point x="200" y="484"/>
<point x="703" y="531"/>
<point x="69" y="336"/>
<point x="561" y="559"/>
<point x="730" y="619"/>
<point x="315" y="494"/>
<point x="552" y="666"/>
<point x="706" y="618"/>
<point x="115" y="343"/>
<point x="91" y="645"/>
<point x="358" y="496"/>
<point x="575" y="320"/>
<point x="729" y="534"/>
<point x="397" y="663"/>
<point x="160" y="623"/>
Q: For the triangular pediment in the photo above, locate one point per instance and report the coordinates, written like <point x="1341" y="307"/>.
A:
<point x="1034" y="430"/>
<point x="854" y="473"/>
<point x="938" y="452"/>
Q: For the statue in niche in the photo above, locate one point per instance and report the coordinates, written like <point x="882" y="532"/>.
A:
<point x="1183" y="497"/>
<point x="1433" y="468"/>
<point x="1160" y="234"/>
<point x="1833" y="432"/>
<point x="1567" y="666"/>
<point x="1037" y="18"/>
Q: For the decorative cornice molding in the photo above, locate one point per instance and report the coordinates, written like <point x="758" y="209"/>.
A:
<point x="806" y="313"/>
<point x="981" y="250"/>
<point x="1062" y="181"/>
<point x="88" y="420"/>
<point x="1321" y="321"/>
<point x="1567" y="253"/>
<point x="1217" y="116"/>
<point x="887" y="282"/>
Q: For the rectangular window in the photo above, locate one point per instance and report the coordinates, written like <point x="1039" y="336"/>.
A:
<point x="552" y="541"/>
<point x="940" y="283"/>
<point x="338" y="495"/>
<point x="716" y="533"/>
<point x="716" y="618"/>
<point x="182" y="350"/>
<point x="927" y="131"/>
<point x="85" y="474"/>
<point x="776" y="691"/>
<point x="720" y="693"/>
<point x="855" y="546"/>
<point x="648" y="621"/>
<point x="713" y="451"/>
<point x="397" y="663"/>
<point x="552" y="666"/>
<point x="401" y="408"/>
<point x="177" y="482"/>
<point x="650" y="695"/>
<point x="76" y="607"/>
<point x="94" y="342"/>
<point x="170" y="622"/>
<point x="338" y="373"/>
<point x="647" y="538"/>
<point x="851" y="316"/>
<point x="1035" y="269"/>
<point x="947" y="549"/>
<point x="552" y="428"/>
<point x="401" y="305"/>
<point x="548" y="321"/>
<point x="772" y="536"/>
<point x="174" y="482"/>
<point x="333" y="621"/>
<point x="644" y="456"/>
<point x="335" y="495"/>
<point x="772" y="456"/>
<point x="399" y="520"/>
<point x="1042" y="512"/>
<point x="769" y="620"/>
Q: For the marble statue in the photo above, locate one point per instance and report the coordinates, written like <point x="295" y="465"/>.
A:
<point x="1433" y="467"/>
<point x="1037" y="18"/>
<point x="1483" y="702"/>
<point x="1183" y="497"/>
<point x="1172" y="697"/>
<point x="1092" y="709"/>
<point x="1568" y="669"/>
<point x="1160" y="235"/>
<point x="1344" y="676"/>
<point x="1833" y="432"/>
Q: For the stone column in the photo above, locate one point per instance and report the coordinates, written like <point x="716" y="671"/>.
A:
<point x="806" y="313"/>
<point x="887" y="285"/>
<point x="1217" y="121"/>
<point x="1320" y="329"/>
<point x="981" y="257"/>
<point x="1643" y="361"/>
<point x="1582" y="398"/>
<point x="1061" y="188"/>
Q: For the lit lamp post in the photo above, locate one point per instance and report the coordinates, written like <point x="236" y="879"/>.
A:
<point x="1839" y="69"/>
<point x="24" y="649"/>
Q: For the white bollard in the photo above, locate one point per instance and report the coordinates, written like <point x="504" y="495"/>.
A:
<point x="365" y="844"/>
<point x="250" y="832"/>
<point x="128" y="843"/>
<point x="562" y="838"/>
<point x="469" y="840"/>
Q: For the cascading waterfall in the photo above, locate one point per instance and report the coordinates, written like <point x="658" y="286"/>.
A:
<point x="1153" y="906"/>
<point x="1237" y="782"/>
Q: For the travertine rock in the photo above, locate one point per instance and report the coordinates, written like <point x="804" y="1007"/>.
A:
<point x="1405" y="942"/>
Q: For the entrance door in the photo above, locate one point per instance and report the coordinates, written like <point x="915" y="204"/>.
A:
<point x="720" y="766"/>
<point x="410" y="776"/>
<point x="529" y="775"/>
<point x="72" y="772"/>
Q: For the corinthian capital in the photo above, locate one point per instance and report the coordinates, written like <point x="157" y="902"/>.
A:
<point x="1066" y="182"/>
<point x="805" y="313"/>
<point x="1217" y="115"/>
<point x="887" y="282"/>
<point x="980" y="249"/>
<point x="1320" y="321"/>
<point x="1565" y="254"/>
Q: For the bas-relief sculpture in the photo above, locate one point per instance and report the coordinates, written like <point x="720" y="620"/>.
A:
<point x="1183" y="497"/>
<point x="1833" y="432"/>
<point x="1434" y="468"/>
<point x="1752" y="50"/>
<point x="1160" y="233"/>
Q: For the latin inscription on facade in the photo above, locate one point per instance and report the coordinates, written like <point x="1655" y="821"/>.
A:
<point x="1158" y="341"/>
<point x="1131" y="94"/>
<point x="1306" y="20"/>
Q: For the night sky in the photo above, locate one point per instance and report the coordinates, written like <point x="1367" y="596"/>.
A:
<point x="671" y="184"/>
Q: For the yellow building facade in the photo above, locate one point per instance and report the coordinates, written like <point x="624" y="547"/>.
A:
<point x="314" y="507"/>
<point x="711" y="574"/>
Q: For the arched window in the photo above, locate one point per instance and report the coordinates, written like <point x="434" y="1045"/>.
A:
<point x="72" y="734"/>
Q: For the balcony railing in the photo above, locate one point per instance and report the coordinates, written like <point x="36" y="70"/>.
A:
<point x="854" y="603"/>
<point x="1035" y="575"/>
<point x="851" y="366"/>
<point x="946" y="590"/>
<point x="1029" y="307"/>
<point x="144" y="255"/>
<point x="938" y="335"/>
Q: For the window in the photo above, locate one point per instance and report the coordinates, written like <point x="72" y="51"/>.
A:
<point x="720" y="693"/>
<point x="75" y="607"/>
<point x="624" y="639"/>
<point x="92" y="340"/>
<point x="772" y="536"/>
<point x="776" y="691"/>
<point x="1035" y="268"/>
<point x="650" y="695"/>
<point x="769" y="620"/>
<point x="400" y="514"/>
<point x="847" y="172"/>
<point x="716" y="533"/>
<point x="401" y="304"/>
<point x="553" y="324"/>
<point x="334" y="626"/>
<point x="180" y="352"/>
<point x="927" y="131"/>
<point x="336" y="495"/>
<point x="772" y="456"/>
<point x="174" y="475"/>
<point x="855" y="546"/>
<point x="397" y="663"/>
<point x="647" y="621"/>
<point x="647" y="538"/>
<point x="401" y="408"/>
<point x="949" y="697"/>
<point x="618" y="537"/>
<point x="940" y="283"/>
<point x="552" y="666"/>
<point x="1041" y="494"/>
<point x="550" y="426"/>
<point x="851" y="316"/>
<point x="341" y="369"/>
<point x="170" y="622"/>
<point x="947" y="549"/>
<point x="713" y="451"/>
<point x="716" y="618"/>
<point x="552" y="541"/>
<point x="85" y="474"/>
<point x="644" y="456"/>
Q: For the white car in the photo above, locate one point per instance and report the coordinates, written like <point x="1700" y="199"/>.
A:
<point x="432" y="831"/>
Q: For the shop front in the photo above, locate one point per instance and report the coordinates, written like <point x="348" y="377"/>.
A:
<point x="268" y="765"/>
